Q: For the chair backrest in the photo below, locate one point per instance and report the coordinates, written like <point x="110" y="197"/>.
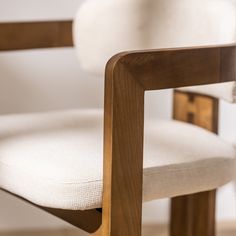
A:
<point x="106" y="27"/>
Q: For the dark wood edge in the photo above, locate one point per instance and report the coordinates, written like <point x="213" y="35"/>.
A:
<point x="89" y="220"/>
<point x="128" y="76"/>
<point x="33" y="35"/>
<point x="179" y="67"/>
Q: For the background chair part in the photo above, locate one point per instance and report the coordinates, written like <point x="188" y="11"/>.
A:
<point x="35" y="35"/>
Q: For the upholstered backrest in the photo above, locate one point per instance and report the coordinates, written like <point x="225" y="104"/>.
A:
<point x="106" y="27"/>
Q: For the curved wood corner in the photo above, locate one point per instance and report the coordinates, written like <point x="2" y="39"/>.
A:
<point x="123" y="152"/>
<point x="180" y="67"/>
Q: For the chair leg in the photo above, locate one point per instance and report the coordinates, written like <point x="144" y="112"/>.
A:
<point x="193" y="215"/>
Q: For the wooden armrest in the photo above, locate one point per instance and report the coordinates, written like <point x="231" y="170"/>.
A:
<point x="32" y="35"/>
<point x="128" y="76"/>
<point x="179" y="67"/>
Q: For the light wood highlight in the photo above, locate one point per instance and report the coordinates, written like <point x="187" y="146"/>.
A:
<point x="179" y="67"/>
<point x="123" y="153"/>
<point x="128" y="75"/>
<point x="196" y="109"/>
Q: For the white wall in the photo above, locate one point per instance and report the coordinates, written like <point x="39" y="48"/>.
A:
<point x="52" y="79"/>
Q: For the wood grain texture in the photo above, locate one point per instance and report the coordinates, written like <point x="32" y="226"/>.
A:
<point x="32" y="35"/>
<point x="172" y="68"/>
<point x="123" y="153"/>
<point x="128" y="75"/>
<point x="196" y="109"/>
<point x="193" y="215"/>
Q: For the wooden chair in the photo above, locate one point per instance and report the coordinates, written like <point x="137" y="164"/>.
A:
<point x="32" y="146"/>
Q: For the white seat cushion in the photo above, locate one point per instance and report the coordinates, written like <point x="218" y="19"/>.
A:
<point x="55" y="159"/>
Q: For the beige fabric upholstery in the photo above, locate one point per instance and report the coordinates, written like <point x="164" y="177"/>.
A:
<point x="106" y="27"/>
<point x="55" y="159"/>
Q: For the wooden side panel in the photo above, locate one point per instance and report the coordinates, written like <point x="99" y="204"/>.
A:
<point x="196" y="109"/>
<point x="31" y="35"/>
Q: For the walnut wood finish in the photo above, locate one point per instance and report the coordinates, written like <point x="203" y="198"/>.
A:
<point x="123" y="160"/>
<point x="128" y="75"/>
<point x="196" y="109"/>
<point x="30" y="35"/>
<point x="171" y="68"/>
<point x="194" y="215"/>
<point x="89" y="220"/>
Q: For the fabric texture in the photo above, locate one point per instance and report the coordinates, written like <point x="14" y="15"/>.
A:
<point x="106" y="27"/>
<point x="56" y="160"/>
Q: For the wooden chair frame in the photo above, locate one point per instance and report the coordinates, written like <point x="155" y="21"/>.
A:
<point x="200" y="110"/>
<point x="128" y="76"/>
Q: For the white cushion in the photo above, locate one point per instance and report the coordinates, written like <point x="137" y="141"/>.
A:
<point x="55" y="159"/>
<point x="106" y="27"/>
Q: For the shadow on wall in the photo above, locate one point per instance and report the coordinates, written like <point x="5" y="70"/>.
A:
<point x="44" y="80"/>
